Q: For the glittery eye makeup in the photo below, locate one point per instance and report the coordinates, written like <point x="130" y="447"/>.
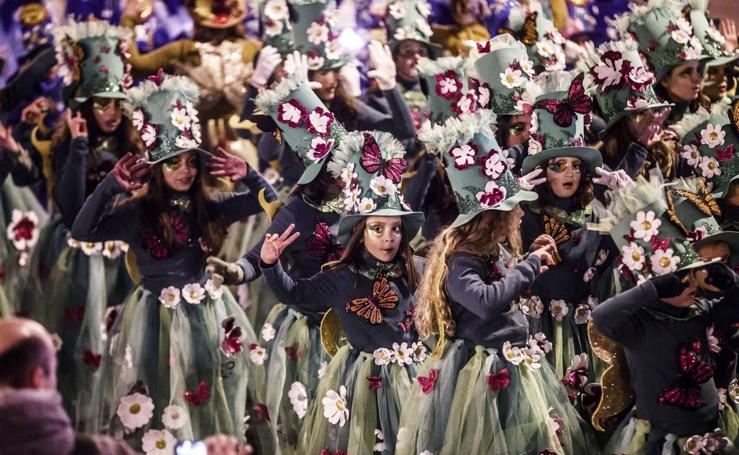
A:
<point x="378" y="229"/>
<point x="173" y="163"/>
<point x="561" y="166"/>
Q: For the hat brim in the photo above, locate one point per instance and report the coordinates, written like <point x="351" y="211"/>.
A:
<point x="411" y="223"/>
<point x="721" y="60"/>
<point x="311" y="172"/>
<point x="697" y="265"/>
<point x="435" y="49"/>
<point x="619" y="115"/>
<point x="723" y="194"/>
<point x="505" y="206"/>
<point x="588" y="155"/>
<point x="730" y="237"/>
<point x="112" y="95"/>
<point x="202" y="153"/>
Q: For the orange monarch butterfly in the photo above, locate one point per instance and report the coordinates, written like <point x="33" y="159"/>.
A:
<point x="370" y="308"/>
<point x="528" y="34"/>
<point x="704" y="201"/>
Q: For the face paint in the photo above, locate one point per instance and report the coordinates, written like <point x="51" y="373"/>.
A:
<point x="564" y="176"/>
<point x="107" y="113"/>
<point x="382" y="237"/>
<point x="180" y="171"/>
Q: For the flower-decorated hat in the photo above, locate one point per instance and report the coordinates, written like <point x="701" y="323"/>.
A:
<point x="370" y="164"/>
<point x="503" y="66"/>
<point x="711" y="145"/>
<point x="559" y="117"/>
<point x="478" y="170"/>
<point x="665" y="37"/>
<point x="162" y="109"/>
<point x="314" y="33"/>
<point x="276" y="26"/>
<point x="306" y="124"/>
<point x="92" y="58"/>
<point x="639" y="219"/>
<point x="710" y="38"/>
<point x="619" y="81"/>
<point x="217" y="13"/>
<point x="408" y="20"/>
<point x="444" y="81"/>
<point x="544" y="43"/>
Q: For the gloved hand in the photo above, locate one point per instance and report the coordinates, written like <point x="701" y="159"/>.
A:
<point x="721" y="276"/>
<point x="614" y="180"/>
<point x="268" y="60"/>
<point x="296" y="66"/>
<point x="668" y="285"/>
<point x="349" y="79"/>
<point x="381" y="59"/>
<point x="230" y="272"/>
<point x="529" y="181"/>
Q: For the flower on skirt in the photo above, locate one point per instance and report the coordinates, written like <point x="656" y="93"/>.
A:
<point x="322" y="369"/>
<point x="193" y="293"/>
<point x="298" y="398"/>
<point x="170" y="297"/>
<point x="268" y="332"/>
<point x="174" y="417"/>
<point x="23" y="230"/>
<point x="158" y="442"/>
<point x="257" y="354"/>
<point x="380" y="445"/>
<point x="135" y="410"/>
<point x="582" y="314"/>
<point x="335" y="407"/>
<point x="558" y="308"/>
<point x="383" y="356"/>
<point x="712" y="442"/>
<point x="402" y="353"/>
<point x="215" y="291"/>
<point x="418" y="350"/>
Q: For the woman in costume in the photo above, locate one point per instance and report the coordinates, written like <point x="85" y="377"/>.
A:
<point x="177" y="358"/>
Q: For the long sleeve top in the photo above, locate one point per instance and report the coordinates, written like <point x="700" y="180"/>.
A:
<point x="667" y="352"/>
<point x="483" y="296"/>
<point x="372" y="300"/>
<point x="101" y="220"/>
<point x="304" y="257"/>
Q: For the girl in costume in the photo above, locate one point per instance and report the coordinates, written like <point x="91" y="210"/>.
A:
<point x="367" y="294"/>
<point x="74" y="283"/>
<point x="291" y="334"/>
<point x="177" y="358"/>
<point x="488" y="387"/>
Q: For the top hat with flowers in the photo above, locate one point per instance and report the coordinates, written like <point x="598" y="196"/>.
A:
<point x="162" y="109"/>
<point x="479" y="171"/>
<point x="710" y="38"/>
<point x="218" y="13"/>
<point x="558" y="125"/>
<point x="664" y="36"/>
<point x="445" y="84"/>
<point x="314" y="33"/>
<point x="710" y="145"/>
<point x="92" y="58"/>
<point x="275" y="25"/>
<point x="370" y="164"/>
<point x="408" y="20"/>
<point x="640" y="220"/>
<point x="544" y="43"/>
<point x="503" y="66"/>
<point x="307" y="126"/>
<point x="619" y="81"/>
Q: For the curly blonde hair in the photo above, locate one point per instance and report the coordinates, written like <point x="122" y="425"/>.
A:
<point x="480" y="236"/>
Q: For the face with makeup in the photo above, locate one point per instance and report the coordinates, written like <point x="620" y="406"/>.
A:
<point x="683" y="83"/>
<point x="329" y="80"/>
<point x="564" y="175"/>
<point x="180" y="171"/>
<point x="716" y="82"/>
<point x="407" y="55"/>
<point x="518" y="130"/>
<point x="107" y="113"/>
<point x="382" y="236"/>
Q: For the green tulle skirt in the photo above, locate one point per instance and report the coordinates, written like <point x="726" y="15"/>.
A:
<point x="371" y="397"/>
<point x="472" y="401"/>
<point x="174" y="356"/>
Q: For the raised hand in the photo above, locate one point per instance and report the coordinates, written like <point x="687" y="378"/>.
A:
<point x="269" y="59"/>
<point x="727" y="27"/>
<point x="227" y="272"/>
<point x="542" y="241"/>
<point x="545" y="256"/>
<point x="7" y="141"/>
<point x="650" y="129"/>
<point x="77" y="125"/>
<point x="224" y="164"/>
<point x="275" y="244"/>
<point x="130" y="171"/>
<point x="614" y="180"/>
<point x="530" y="180"/>
<point x="381" y="59"/>
<point x="296" y="65"/>
<point x="349" y="78"/>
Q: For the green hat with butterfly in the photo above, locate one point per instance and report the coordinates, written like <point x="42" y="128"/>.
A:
<point x="479" y="171"/>
<point x="544" y="43"/>
<point x="92" y="59"/>
<point x="162" y="109"/>
<point x="370" y="164"/>
<point x="619" y="81"/>
<point x="641" y="221"/>
<point x="305" y="123"/>
<point x="559" y="124"/>
<point x="664" y="37"/>
<point x="710" y="144"/>
<point x="695" y="11"/>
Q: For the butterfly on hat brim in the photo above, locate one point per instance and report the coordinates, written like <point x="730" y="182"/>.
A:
<point x="528" y="34"/>
<point x="576" y="102"/>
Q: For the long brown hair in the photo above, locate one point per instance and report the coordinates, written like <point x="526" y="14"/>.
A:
<point x="156" y="216"/>
<point x="479" y="236"/>
<point x="355" y="246"/>
<point x="617" y="139"/>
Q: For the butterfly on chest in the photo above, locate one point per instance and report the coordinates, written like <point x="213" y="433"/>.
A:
<point x="370" y="308"/>
<point x="694" y="371"/>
